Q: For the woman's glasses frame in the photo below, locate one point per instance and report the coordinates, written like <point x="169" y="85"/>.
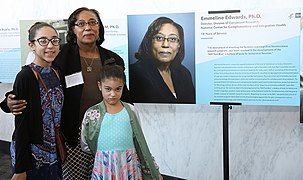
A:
<point x="91" y="23"/>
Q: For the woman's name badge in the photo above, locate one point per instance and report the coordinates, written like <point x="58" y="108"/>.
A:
<point x="74" y="79"/>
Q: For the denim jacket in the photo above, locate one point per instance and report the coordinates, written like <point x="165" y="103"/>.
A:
<point x="91" y="129"/>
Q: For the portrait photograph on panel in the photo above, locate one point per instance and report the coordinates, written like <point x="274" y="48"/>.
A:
<point x="161" y="54"/>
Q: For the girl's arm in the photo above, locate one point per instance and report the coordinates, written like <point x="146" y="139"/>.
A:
<point x="23" y="155"/>
<point x="83" y="142"/>
<point x="139" y="123"/>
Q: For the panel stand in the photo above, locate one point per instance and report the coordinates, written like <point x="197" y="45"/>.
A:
<point x="226" y="106"/>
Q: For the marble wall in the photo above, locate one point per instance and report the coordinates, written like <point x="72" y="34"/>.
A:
<point x="186" y="140"/>
<point x="266" y="143"/>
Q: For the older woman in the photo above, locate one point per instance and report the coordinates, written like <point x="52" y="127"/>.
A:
<point x="159" y="76"/>
<point x="79" y="61"/>
<point x="83" y="54"/>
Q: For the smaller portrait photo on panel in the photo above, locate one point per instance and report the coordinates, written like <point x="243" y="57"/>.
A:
<point x="161" y="53"/>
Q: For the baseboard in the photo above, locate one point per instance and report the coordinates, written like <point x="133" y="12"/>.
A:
<point x="166" y="177"/>
<point x="4" y="147"/>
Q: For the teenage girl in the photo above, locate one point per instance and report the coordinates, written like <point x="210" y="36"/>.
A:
<point x="33" y="149"/>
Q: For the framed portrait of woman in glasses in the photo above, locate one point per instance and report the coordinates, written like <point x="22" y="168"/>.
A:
<point x="161" y="51"/>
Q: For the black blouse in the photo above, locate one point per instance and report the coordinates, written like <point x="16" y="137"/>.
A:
<point x="148" y="86"/>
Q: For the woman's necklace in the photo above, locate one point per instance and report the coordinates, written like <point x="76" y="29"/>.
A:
<point x="89" y="67"/>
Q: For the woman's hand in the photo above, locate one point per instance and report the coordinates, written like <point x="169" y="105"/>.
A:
<point x="20" y="176"/>
<point x="15" y="106"/>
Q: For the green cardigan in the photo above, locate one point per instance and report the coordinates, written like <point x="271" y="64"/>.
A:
<point x="91" y="129"/>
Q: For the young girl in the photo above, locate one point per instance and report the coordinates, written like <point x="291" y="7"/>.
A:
<point x="33" y="149"/>
<point x="110" y="130"/>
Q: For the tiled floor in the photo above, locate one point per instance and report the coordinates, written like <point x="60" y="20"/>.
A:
<point x="5" y="167"/>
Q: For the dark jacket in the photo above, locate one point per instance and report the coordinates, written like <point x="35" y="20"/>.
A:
<point x="148" y="86"/>
<point x="68" y="62"/>
<point x="28" y="125"/>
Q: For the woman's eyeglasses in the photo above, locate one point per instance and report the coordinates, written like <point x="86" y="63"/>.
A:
<point x="43" y="41"/>
<point x="91" y="23"/>
<point x="161" y="38"/>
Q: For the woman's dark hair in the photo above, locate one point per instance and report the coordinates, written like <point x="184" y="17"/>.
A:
<point x="111" y="71"/>
<point x="145" y="52"/>
<point x="35" y="27"/>
<point x="71" y="36"/>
